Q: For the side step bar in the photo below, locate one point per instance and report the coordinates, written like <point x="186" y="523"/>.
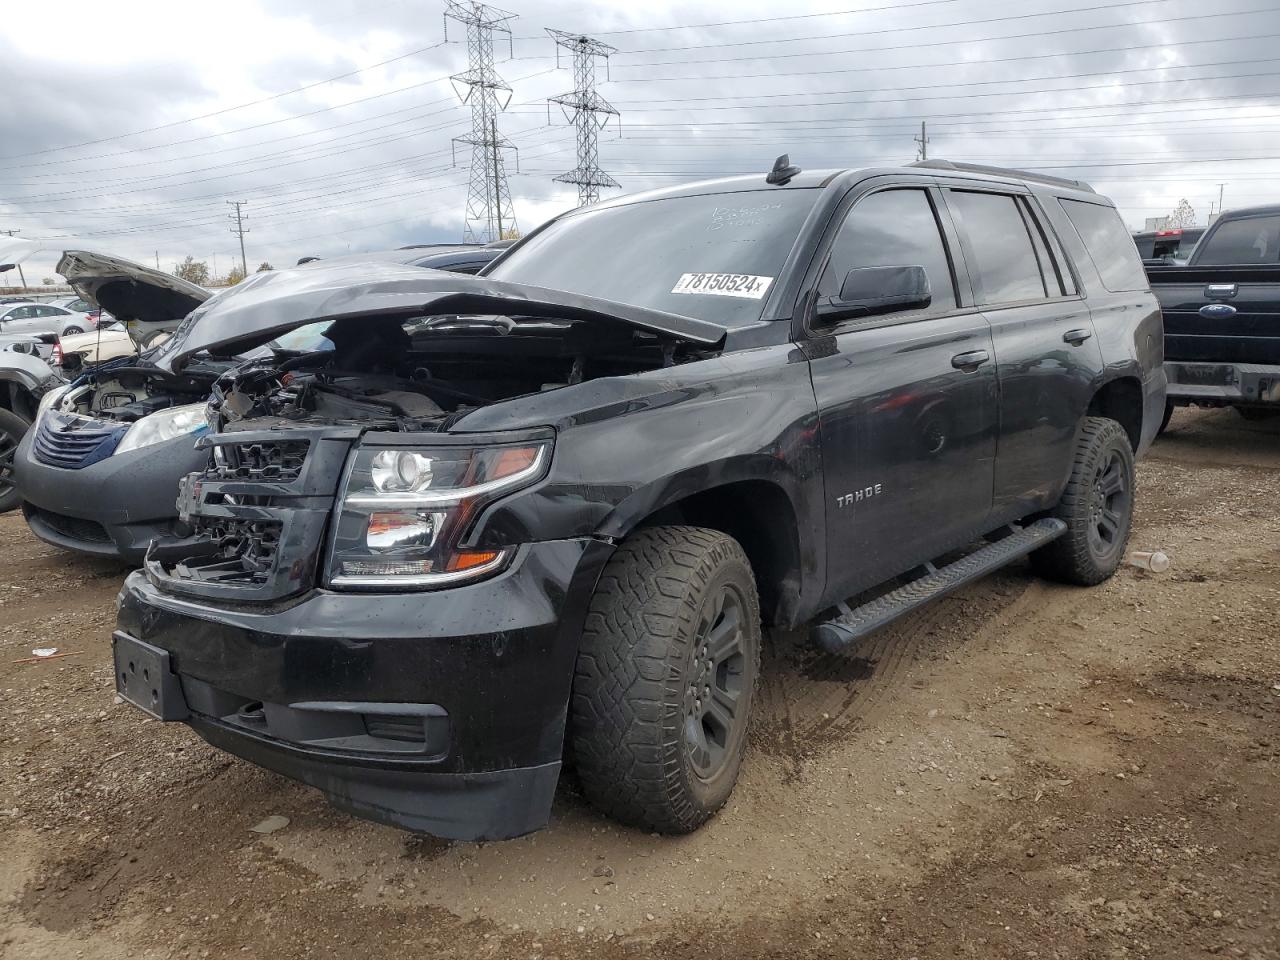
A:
<point x="853" y="623"/>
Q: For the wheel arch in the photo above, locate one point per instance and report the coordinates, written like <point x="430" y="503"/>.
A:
<point x="16" y="396"/>
<point x="1120" y="399"/>
<point x="761" y="516"/>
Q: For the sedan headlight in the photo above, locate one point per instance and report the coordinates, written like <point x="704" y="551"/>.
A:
<point x="165" y="425"/>
<point x="405" y="510"/>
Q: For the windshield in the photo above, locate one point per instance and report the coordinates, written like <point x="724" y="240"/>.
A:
<point x="712" y="257"/>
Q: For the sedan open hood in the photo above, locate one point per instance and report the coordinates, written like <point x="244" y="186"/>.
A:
<point x="130" y="291"/>
<point x="266" y="305"/>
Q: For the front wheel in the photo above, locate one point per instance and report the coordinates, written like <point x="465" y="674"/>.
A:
<point x="665" y="678"/>
<point x="1097" y="506"/>
<point x="12" y="429"/>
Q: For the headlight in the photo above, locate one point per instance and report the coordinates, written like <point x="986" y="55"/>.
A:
<point x="49" y="399"/>
<point x="405" y="510"/>
<point x="165" y="425"/>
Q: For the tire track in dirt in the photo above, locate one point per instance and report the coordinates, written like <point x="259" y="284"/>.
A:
<point x="811" y="700"/>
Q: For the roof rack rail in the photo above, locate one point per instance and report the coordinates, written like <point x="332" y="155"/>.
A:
<point x="1004" y="172"/>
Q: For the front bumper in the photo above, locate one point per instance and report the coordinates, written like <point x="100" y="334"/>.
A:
<point x="112" y="508"/>
<point x="319" y="689"/>
<point x="1223" y="384"/>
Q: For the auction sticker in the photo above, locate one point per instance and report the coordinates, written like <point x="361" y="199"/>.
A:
<point x="724" y="285"/>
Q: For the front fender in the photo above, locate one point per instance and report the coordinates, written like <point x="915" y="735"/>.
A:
<point x="631" y="451"/>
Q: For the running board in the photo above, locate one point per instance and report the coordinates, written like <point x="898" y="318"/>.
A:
<point x="853" y="623"/>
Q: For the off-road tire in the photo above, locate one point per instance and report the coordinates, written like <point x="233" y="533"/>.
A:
<point x="12" y="430"/>
<point x="632" y="720"/>
<point x="1080" y="555"/>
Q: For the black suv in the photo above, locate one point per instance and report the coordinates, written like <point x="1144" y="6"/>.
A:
<point x="550" y="510"/>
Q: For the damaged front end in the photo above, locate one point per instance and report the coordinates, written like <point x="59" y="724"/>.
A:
<point x="351" y="468"/>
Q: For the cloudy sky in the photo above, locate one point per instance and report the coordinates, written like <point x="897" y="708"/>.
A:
<point x="130" y="125"/>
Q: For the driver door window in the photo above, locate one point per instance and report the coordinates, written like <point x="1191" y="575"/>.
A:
<point x="892" y="228"/>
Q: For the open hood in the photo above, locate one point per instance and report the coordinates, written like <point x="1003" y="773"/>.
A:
<point x="129" y="291"/>
<point x="266" y="305"/>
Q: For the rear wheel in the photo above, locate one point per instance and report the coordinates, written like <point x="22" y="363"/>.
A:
<point x="71" y="331"/>
<point x="1168" y="415"/>
<point x="1097" y="506"/>
<point x="1257" y="413"/>
<point x="665" y="678"/>
<point x="12" y="430"/>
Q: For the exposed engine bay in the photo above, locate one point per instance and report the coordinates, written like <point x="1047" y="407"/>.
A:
<point x="423" y="374"/>
<point x="127" y="391"/>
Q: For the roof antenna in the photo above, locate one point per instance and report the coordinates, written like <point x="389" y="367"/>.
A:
<point x="782" y="171"/>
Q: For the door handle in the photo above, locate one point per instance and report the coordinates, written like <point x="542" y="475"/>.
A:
<point x="971" y="360"/>
<point x="1076" y="337"/>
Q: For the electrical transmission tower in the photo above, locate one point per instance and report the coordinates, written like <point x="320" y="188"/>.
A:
<point x="490" y="213"/>
<point x="238" y="218"/>
<point x="587" y="111"/>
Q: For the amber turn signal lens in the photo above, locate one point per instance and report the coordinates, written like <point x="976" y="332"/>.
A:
<point x="466" y="559"/>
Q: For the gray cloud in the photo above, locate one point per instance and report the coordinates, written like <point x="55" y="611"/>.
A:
<point x="832" y="91"/>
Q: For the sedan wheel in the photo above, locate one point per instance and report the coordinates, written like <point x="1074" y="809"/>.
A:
<point x="12" y="429"/>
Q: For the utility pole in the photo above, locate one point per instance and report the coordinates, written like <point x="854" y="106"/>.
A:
<point x="1221" y="186"/>
<point x="922" y="153"/>
<point x="21" y="275"/>
<point x="240" y="229"/>
<point x="488" y="196"/>
<point x="587" y="111"/>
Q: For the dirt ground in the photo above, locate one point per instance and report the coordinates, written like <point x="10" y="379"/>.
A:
<point x="1023" y="770"/>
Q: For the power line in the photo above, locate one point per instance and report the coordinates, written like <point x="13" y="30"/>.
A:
<point x="913" y="28"/>
<point x="1039" y="34"/>
<point x="587" y="111"/>
<point x="224" y="110"/>
<point x="949" y="96"/>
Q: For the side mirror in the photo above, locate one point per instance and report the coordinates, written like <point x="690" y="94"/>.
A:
<point x="871" y="291"/>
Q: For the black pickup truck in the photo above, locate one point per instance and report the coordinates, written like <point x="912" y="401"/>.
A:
<point x="551" y="511"/>
<point x="1222" y="316"/>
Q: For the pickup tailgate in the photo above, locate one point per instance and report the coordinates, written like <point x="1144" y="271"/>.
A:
<point x="1220" y="314"/>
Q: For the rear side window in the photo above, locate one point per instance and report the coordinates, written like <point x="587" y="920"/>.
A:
<point x="1109" y="244"/>
<point x="1006" y="270"/>
<point x="893" y="228"/>
<point x="1255" y="240"/>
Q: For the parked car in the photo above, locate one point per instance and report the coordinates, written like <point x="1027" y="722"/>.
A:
<point x="34" y="344"/>
<point x="41" y="318"/>
<point x="1167" y="248"/>
<point x="1222" y="316"/>
<point x="562" y="500"/>
<point x="106" y="343"/>
<point x="79" y="304"/>
<point x="15" y="299"/>
<point x="25" y="380"/>
<point x="99" y="475"/>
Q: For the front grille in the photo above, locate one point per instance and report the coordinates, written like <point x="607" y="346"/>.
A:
<point x="258" y="513"/>
<point x="268" y="462"/>
<point x="74" y="442"/>
<point x="73" y="528"/>
<point x="235" y="551"/>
